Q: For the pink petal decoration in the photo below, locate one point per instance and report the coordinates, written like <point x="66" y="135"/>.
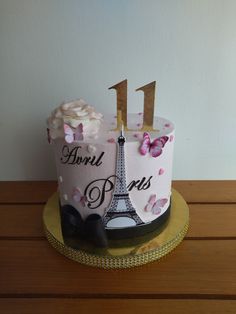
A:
<point x="148" y="207"/>
<point x="111" y="140"/>
<point x="145" y="145"/>
<point x="171" y="138"/>
<point x="152" y="199"/>
<point x="161" y="171"/>
<point x="167" y="125"/>
<point x="161" y="202"/>
<point x="156" y="210"/>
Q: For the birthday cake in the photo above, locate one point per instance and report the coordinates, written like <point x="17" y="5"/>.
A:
<point x="114" y="171"/>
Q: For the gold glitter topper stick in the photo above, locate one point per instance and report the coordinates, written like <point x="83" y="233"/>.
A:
<point x="149" y="99"/>
<point x="121" y="102"/>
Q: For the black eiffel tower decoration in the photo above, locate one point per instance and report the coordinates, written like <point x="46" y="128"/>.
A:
<point x="121" y="205"/>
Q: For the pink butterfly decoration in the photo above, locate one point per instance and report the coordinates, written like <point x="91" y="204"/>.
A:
<point x="155" y="147"/>
<point x="49" y="136"/>
<point x="154" y="205"/>
<point x="71" y="135"/>
<point x="78" y="197"/>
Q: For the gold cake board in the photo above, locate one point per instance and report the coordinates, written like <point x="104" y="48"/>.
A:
<point x="125" y="257"/>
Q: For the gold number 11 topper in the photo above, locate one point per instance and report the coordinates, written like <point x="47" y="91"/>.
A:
<point x="121" y="104"/>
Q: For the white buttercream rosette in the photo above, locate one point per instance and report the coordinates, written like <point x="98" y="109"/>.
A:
<point x="74" y="113"/>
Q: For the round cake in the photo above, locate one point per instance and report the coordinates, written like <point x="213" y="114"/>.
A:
<point x="114" y="180"/>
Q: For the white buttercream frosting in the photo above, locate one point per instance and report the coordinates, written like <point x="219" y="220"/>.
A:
<point x="74" y="113"/>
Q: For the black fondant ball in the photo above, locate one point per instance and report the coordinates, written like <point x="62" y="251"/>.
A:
<point x="71" y="221"/>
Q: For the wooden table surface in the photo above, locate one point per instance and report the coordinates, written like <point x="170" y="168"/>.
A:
<point x="199" y="276"/>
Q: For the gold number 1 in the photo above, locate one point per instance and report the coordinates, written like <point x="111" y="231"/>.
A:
<point x="121" y="101"/>
<point x="149" y="101"/>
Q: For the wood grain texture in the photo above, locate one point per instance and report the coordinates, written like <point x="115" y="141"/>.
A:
<point x="195" y="268"/>
<point x="206" y="220"/>
<point x="212" y="220"/>
<point x="199" y="276"/>
<point x="19" y="220"/>
<point x="84" y="306"/>
<point x="26" y="191"/>
<point x="207" y="191"/>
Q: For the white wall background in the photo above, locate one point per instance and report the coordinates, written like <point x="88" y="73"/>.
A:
<point x="51" y="50"/>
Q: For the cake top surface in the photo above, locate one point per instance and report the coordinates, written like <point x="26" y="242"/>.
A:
<point x="77" y="121"/>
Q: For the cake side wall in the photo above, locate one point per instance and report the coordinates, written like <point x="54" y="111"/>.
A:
<point x="153" y="176"/>
<point x="86" y="175"/>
